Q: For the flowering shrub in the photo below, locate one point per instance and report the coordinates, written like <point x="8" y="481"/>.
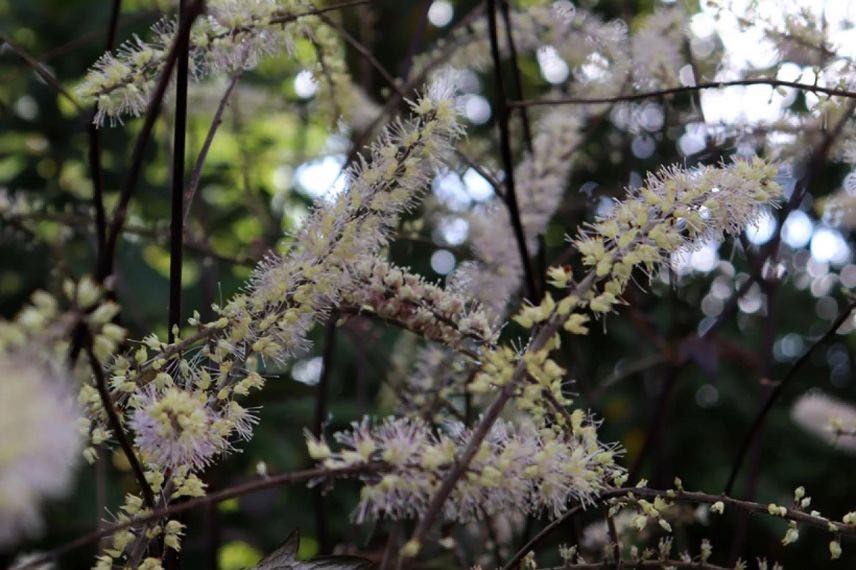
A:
<point x="487" y="429"/>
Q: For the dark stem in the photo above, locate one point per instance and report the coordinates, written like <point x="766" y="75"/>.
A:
<point x="116" y="424"/>
<point x="176" y="227"/>
<point x="515" y="74"/>
<point x="416" y="39"/>
<point x="152" y="111"/>
<point x="321" y="396"/>
<point x="502" y="114"/>
<point x="613" y="537"/>
<point x="683" y="89"/>
<point x="114" y="23"/>
<point x="95" y="169"/>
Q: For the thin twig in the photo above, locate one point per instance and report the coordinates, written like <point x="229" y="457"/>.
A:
<point x="317" y="12"/>
<point x="777" y="391"/>
<point x="176" y="226"/>
<point x="366" y="54"/>
<point x="683" y="89"/>
<point x="116" y="424"/>
<point x="196" y="174"/>
<point x="40" y="70"/>
<point x="502" y="115"/>
<point x="240" y="490"/>
<point x="642" y="564"/>
<point x="95" y="169"/>
<point x="681" y="497"/>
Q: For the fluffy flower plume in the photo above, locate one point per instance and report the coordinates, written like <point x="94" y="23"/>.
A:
<point x="401" y="297"/>
<point x="188" y="413"/>
<point x="292" y="291"/>
<point x="519" y="468"/>
<point x="540" y="182"/>
<point x="659" y="47"/>
<point x="178" y="428"/>
<point x="39" y="441"/>
<point x="828" y="418"/>
<point x="673" y="210"/>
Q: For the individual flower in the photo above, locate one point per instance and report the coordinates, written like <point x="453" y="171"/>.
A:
<point x="177" y="428"/>
<point x="39" y="441"/>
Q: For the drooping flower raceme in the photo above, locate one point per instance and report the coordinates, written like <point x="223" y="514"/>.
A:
<point x="519" y="468"/>
<point x="39" y="440"/>
<point x="406" y="299"/>
<point x="674" y="210"/>
<point x="234" y="35"/>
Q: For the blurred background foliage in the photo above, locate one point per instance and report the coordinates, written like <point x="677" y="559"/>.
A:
<point x="641" y="369"/>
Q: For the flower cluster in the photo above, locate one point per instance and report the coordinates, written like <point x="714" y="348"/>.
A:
<point x="182" y="405"/>
<point x="674" y="210"/>
<point x="659" y="45"/>
<point x="398" y="296"/>
<point x="233" y="36"/>
<point x="519" y="468"/>
<point x="176" y="427"/>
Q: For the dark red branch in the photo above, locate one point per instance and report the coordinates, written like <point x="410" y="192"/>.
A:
<point x="132" y="177"/>
<point x="683" y="89"/>
<point x="502" y="115"/>
<point x="176" y="227"/>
